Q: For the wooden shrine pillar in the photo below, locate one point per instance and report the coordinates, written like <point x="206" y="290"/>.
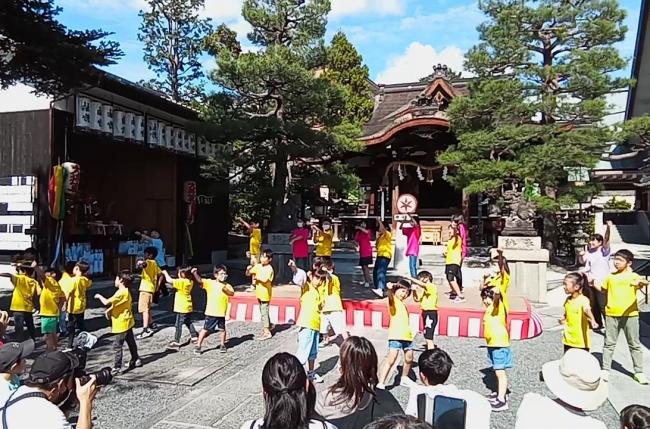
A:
<point x="394" y="196"/>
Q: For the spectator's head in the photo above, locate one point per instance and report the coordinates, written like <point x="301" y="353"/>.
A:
<point x="363" y="224"/>
<point x="150" y="252"/>
<point x="358" y="371"/>
<point x="124" y="279"/>
<point x="267" y="257"/>
<point x="635" y="417"/>
<point x="623" y="259"/>
<point x="425" y="276"/>
<point x="155" y="233"/>
<point x="457" y="219"/>
<point x="435" y="366"/>
<point x="595" y="241"/>
<point x="398" y="421"/>
<point x="285" y="387"/>
<point x="402" y="289"/>
<point x="12" y="357"/>
<point x="574" y="282"/>
<point x="575" y="380"/>
<point x="220" y="272"/>
<point x="81" y="268"/>
<point x="53" y="374"/>
<point x="69" y="267"/>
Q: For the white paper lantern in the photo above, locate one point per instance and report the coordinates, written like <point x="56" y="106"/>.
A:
<point x="179" y="139"/>
<point x="203" y="147"/>
<point x="118" y="123"/>
<point x="83" y="112"/>
<point x="139" y="128"/>
<point x="191" y="138"/>
<point x="152" y="131"/>
<point x="130" y="123"/>
<point x="107" y="118"/>
<point x="96" y="115"/>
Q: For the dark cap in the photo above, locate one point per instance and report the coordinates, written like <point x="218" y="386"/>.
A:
<point x="52" y="366"/>
<point x="11" y="353"/>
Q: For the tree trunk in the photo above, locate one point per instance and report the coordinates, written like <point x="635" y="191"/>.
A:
<point x="279" y="220"/>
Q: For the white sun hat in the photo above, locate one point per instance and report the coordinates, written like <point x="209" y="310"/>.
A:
<point x="576" y="380"/>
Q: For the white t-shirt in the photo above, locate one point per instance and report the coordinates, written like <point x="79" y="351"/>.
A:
<point x="539" y="412"/>
<point x="313" y="424"/>
<point x="478" y="407"/>
<point x="31" y="413"/>
<point x="299" y="277"/>
<point x="597" y="264"/>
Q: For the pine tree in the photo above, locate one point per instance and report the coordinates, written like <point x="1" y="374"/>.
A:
<point x="278" y="113"/>
<point x="37" y="50"/>
<point x="174" y="39"/>
<point x="543" y="69"/>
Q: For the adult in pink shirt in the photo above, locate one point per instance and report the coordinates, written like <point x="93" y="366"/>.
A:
<point x="413" y="232"/>
<point x="362" y="237"/>
<point x="300" y="245"/>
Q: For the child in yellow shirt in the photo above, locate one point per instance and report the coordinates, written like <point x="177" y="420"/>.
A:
<point x="76" y="300"/>
<point x="22" y="298"/>
<point x="262" y="277"/>
<point x="577" y="314"/>
<point x="309" y="322"/>
<point x="218" y="294"/>
<point x="255" y="240"/>
<point x="453" y="263"/>
<point x="622" y="313"/>
<point x="51" y="300"/>
<point x="426" y="293"/>
<point x="149" y="284"/>
<point x="400" y="335"/>
<point x="65" y="282"/>
<point x="384" y="246"/>
<point x="323" y="240"/>
<point x="495" y="331"/>
<point x="332" y="315"/>
<point x="120" y="313"/>
<point x="182" y="305"/>
<point x="500" y="279"/>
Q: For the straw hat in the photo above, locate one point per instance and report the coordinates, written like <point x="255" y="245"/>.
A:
<point x="576" y="380"/>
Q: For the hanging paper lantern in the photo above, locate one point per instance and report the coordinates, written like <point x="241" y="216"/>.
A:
<point x="72" y="177"/>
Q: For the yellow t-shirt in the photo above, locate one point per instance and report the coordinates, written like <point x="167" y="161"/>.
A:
<point x="217" y="304"/>
<point x="323" y="243"/>
<point x="331" y="294"/>
<point x="121" y="312"/>
<point x="502" y="283"/>
<point x="263" y="281"/>
<point x="255" y="244"/>
<point x="454" y="251"/>
<point x="66" y="283"/>
<point x="150" y="275"/>
<point x="78" y="289"/>
<point x="399" y="328"/>
<point x="183" y="298"/>
<point x="428" y="297"/>
<point x="384" y="245"/>
<point x="495" y="327"/>
<point x="51" y="295"/>
<point x="576" y="328"/>
<point x="310" y="304"/>
<point x="621" y="295"/>
<point x="22" y="298"/>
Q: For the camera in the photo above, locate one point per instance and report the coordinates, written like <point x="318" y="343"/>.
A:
<point x="103" y="377"/>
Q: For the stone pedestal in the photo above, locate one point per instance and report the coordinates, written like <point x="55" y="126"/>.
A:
<point x="528" y="264"/>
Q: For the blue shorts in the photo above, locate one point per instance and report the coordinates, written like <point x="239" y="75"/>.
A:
<point x="400" y="345"/>
<point x="500" y="357"/>
<point x="307" y="345"/>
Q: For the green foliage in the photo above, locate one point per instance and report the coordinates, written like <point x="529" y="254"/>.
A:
<point x="174" y="39"/>
<point x="614" y="204"/>
<point x="283" y="121"/>
<point x="543" y="70"/>
<point x="37" y="50"/>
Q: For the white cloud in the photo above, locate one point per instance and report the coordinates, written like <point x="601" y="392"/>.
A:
<point x="464" y="15"/>
<point x="618" y="104"/>
<point x="103" y="5"/>
<point x="19" y="98"/>
<point x="341" y="8"/>
<point x="418" y="61"/>
<point x="223" y="10"/>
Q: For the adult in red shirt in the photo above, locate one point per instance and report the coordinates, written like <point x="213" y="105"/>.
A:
<point x="299" y="245"/>
<point x="413" y="234"/>
<point x="362" y="237"/>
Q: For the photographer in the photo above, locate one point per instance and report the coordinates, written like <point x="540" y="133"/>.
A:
<point x="51" y="383"/>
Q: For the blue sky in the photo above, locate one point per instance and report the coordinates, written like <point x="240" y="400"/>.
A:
<point x="400" y="40"/>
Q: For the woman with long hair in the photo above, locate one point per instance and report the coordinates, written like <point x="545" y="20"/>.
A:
<point x="354" y="400"/>
<point x="288" y="396"/>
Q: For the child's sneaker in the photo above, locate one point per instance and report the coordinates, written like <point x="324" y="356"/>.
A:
<point x="194" y="340"/>
<point x="459" y="299"/>
<point x="641" y="378"/>
<point x="146" y="333"/>
<point x="197" y="351"/>
<point x="366" y="285"/>
<point x="153" y="326"/>
<point x="116" y="371"/>
<point x="498" y="406"/>
<point x="174" y="345"/>
<point x="134" y="364"/>
<point x="315" y="378"/>
<point x="378" y="292"/>
<point x="223" y="349"/>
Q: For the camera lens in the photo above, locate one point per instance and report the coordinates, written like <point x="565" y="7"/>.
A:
<point x="102" y="377"/>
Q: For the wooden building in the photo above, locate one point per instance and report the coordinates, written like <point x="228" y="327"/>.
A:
<point x="140" y="169"/>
